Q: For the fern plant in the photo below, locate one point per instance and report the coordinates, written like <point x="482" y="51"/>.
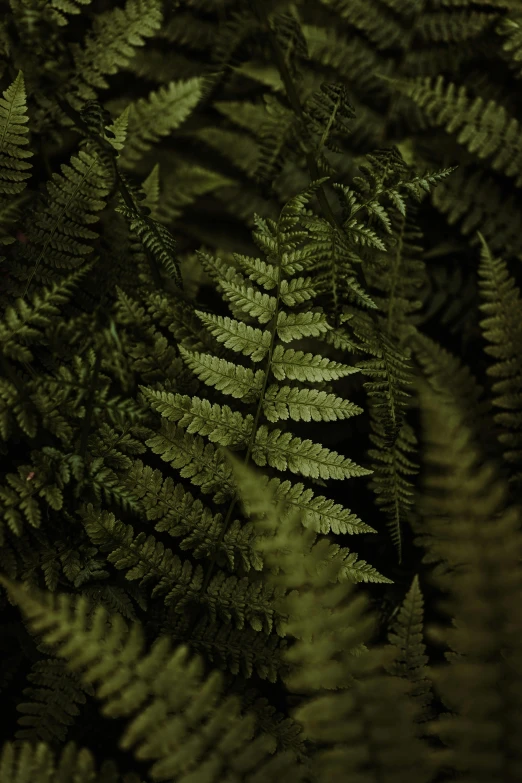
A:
<point x="116" y="354"/>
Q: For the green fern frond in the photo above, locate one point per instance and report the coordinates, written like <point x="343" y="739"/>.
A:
<point x="286" y="27"/>
<point x="184" y="184"/>
<point x="143" y="557"/>
<point x="229" y="378"/>
<point x="194" y="459"/>
<point x="116" y="599"/>
<point x="392" y="465"/>
<point x="284" y="402"/>
<point x="311" y="368"/>
<point x="155" y="238"/>
<point x="385" y="173"/>
<point x="326" y="111"/>
<point x="176" y="512"/>
<point x="406" y="634"/>
<point x="52" y="709"/>
<point x="110" y="45"/>
<point x="394" y="459"/>
<point x="486" y="129"/>
<point x="392" y="374"/>
<point x="511" y="30"/>
<point x="395" y="440"/>
<point x="157" y="116"/>
<point x="23" y="322"/>
<point x="34" y="763"/>
<point x="355" y="61"/>
<point x="283" y="451"/>
<point x="58" y="233"/>
<point x="502" y="329"/>
<point x="340" y="250"/>
<point x="145" y="688"/>
<point x="250" y="302"/>
<point x="331" y="625"/>
<point x="236" y="335"/>
<point x="240" y="24"/>
<point x="477" y="535"/>
<point x="457" y="24"/>
<point x="452" y="380"/>
<point x="277" y="134"/>
<point x="266" y="445"/>
<point x="13" y="116"/>
<point x="318" y="512"/>
<point x="217" y="422"/>
<point x="383" y="32"/>
<point x="238" y="650"/>
<point x="275" y="448"/>
<point x="243" y="151"/>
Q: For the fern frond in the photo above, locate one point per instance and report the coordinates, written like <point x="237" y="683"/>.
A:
<point x="217" y="422"/>
<point x="240" y="650"/>
<point x="194" y="459"/>
<point x="110" y="45"/>
<point x="176" y="512"/>
<point x="277" y="135"/>
<point x="155" y="238"/>
<point x="52" y="708"/>
<point x="236" y="335"/>
<point x="229" y="378"/>
<point x="340" y="250"/>
<point x="58" y="233"/>
<point x="476" y="201"/>
<point x="502" y="329"/>
<point x="410" y="663"/>
<point x="326" y="112"/>
<point x="13" y="116"/>
<point x="284" y="402"/>
<point x="158" y="115"/>
<point x="457" y="25"/>
<point x="331" y="625"/>
<point x="23" y="322"/>
<point x="146" y="689"/>
<point x="486" y="129"/>
<point x="477" y="535"/>
<point x="318" y="512"/>
<point x="27" y="762"/>
<point x="312" y="368"/>
<point x="265" y="445"/>
<point x="382" y="33"/>
<point x="250" y="302"/>
<point x="283" y="451"/>
<point x="511" y="30"/>
<point x="452" y="380"/>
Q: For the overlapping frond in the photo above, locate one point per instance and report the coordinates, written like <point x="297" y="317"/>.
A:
<point x="485" y="128"/>
<point x="178" y="720"/>
<point x="329" y="660"/>
<point x="476" y="534"/>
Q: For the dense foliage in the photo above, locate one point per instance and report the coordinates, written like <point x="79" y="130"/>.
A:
<point x="260" y="391"/>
